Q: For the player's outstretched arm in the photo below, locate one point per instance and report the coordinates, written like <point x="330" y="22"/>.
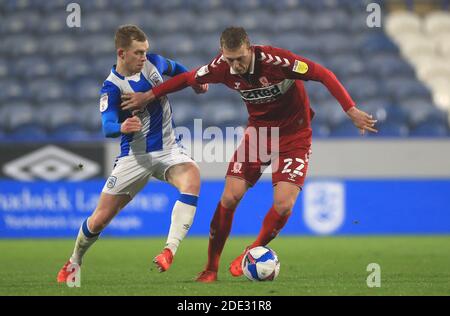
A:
<point x="135" y="101"/>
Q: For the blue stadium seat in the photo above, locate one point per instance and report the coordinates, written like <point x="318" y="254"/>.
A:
<point x="32" y="67"/>
<point x="100" y="22"/>
<point x="16" y="114"/>
<point x="131" y="5"/>
<point x="29" y="133"/>
<point x="282" y="5"/>
<point x="320" y="130"/>
<point x="430" y="129"/>
<point x="146" y="19"/>
<point x="422" y="110"/>
<point x="12" y="90"/>
<point x="102" y="66"/>
<point x="330" y="21"/>
<point x="335" y="43"/>
<point x="57" y="114"/>
<point x="167" y="5"/>
<point x="86" y="90"/>
<point x="213" y="22"/>
<point x="69" y="68"/>
<point x="176" y="45"/>
<point x="54" y="23"/>
<point x="90" y="117"/>
<point x="396" y="115"/>
<point x="362" y="87"/>
<point x="98" y="45"/>
<point x="175" y="21"/>
<point x="385" y="66"/>
<point x="400" y="88"/>
<point x="19" y="45"/>
<point x="70" y="133"/>
<point x="60" y="45"/>
<point x="389" y="129"/>
<point x="205" y="6"/>
<point x="46" y="90"/>
<point x="346" y="65"/>
<point x="346" y="129"/>
<point x="13" y="6"/>
<point x="295" y="20"/>
<point x="52" y="6"/>
<point x="20" y="23"/>
<point x="4" y="68"/>
<point x="296" y="43"/>
<point x="375" y="43"/>
<point x="258" y="20"/>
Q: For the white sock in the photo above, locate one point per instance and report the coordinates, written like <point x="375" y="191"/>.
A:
<point x="85" y="239"/>
<point x="182" y="217"/>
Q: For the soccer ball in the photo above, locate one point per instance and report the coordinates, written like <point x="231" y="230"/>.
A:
<point x="261" y="264"/>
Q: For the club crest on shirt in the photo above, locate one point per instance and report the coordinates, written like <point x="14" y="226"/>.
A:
<point x="264" y="81"/>
<point x="156" y="79"/>
<point x="103" y="102"/>
<point x="111" y="182"/>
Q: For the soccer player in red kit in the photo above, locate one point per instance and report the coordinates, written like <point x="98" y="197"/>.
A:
<point x="269" y="80"/>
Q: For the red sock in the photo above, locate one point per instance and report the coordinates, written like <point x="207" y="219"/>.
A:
<point x="272" y="224"/>
<point x="219" y="230"/>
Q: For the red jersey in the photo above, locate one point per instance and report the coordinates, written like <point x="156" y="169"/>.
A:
<point x="272" y="89"/>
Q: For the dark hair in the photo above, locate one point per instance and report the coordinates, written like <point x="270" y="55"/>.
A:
<point x="233" y="38"/>
<point x="125" y="35"/>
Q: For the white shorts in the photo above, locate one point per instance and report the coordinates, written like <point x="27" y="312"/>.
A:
<point x="131" y="173"/>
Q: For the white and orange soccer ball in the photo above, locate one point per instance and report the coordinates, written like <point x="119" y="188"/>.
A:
<point x="261" y="264"/>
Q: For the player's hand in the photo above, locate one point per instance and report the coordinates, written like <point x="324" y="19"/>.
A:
<point x="363" y="121"/>
<point x="200" y="88"/>
<point x="134" y="101"/>
<point x="131" y="125"/>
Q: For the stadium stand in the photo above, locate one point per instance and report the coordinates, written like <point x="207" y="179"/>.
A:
<point x="50" y="74"/>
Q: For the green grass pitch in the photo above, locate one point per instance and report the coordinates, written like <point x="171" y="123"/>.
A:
<point x="309" y="266"/>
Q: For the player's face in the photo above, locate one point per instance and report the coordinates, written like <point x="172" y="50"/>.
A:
<point x="135" y="56"/>
<point x="238" y="59"/>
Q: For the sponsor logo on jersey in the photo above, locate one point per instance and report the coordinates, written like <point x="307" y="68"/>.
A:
<point x="237" y="85"/>
<point x="103" y="102"/>
<point x="266" y="94"/>
<point x="300" y="67"/>
<point x="202" y="71"/>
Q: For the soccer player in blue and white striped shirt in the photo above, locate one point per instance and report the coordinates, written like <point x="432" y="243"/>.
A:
<point x="148" y="146"/>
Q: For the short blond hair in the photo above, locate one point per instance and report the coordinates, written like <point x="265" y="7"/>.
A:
<point x="125" y="35"/>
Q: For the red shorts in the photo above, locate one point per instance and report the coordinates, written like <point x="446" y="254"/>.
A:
<point x="288" y="157"/>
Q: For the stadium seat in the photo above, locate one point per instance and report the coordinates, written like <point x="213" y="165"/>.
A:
<point x="346" y="129"/>
<point x="17" y="114"/>
<point x="100" y="22"/>
<point x="47" y="90"/>
<point x="399" y="23"/>
<point x="12" y="91"/>
<point x="430" y="129"/>
<point x="20" y="23"/>
<point x="29" y="133"/>
<point x="320" y="130"/>
<point x="32" y="67"/>
<point x="335" y="20"/>
<point x="60" y="45"/>
<point x="401" y="88"/>
<point x="385" y="66"/>
<point x="54" y="23"/>
<point x="19" y="45"/>
<point x="389" y="129"/>
<point x="345" y="65"/>
<point x="437" y="23"/>
<point x="4" y="68"/>
<point x="362" y="87"/>
<point x="55" y="115"/>
<point x="295" y="20"/>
